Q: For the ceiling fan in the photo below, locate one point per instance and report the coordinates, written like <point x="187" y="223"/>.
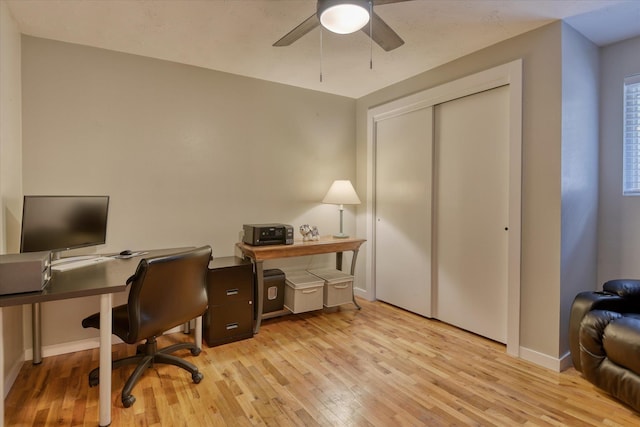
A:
<point x="345" y="17"/>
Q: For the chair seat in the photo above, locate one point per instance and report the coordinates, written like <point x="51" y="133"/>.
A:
<point x="120" y="323"/>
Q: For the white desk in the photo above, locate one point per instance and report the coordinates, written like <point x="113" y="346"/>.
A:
<point x="102" y="279"/>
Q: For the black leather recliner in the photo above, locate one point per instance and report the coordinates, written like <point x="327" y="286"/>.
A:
<point x="604" y="339"/>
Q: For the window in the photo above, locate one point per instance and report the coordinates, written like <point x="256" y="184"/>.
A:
<point x="631" y="136"/>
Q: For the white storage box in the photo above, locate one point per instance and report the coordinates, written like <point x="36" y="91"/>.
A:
<point x="338" y="286"/>
<point x="303" y="292"/>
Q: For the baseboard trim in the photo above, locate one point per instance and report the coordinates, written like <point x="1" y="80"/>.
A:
<point x="80" y="345"/>
<point x="362" y="293"/>
<point x="68" y="347"/>
<point x="566" y="362"/>
<point x="546" y="361"/>
<point x="12" y="375"/>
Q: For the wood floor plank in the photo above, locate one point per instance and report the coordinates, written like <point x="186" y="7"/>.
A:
<point x="379" y="366"/>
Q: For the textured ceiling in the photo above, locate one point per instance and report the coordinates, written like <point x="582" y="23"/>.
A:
<point x="236" y="36"/>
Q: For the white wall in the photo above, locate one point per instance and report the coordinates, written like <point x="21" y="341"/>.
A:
<point x="10" y="178"/>
<point x="619" y="218"/>
<point x="580" y="78"/>
<point x="187" y="154"/>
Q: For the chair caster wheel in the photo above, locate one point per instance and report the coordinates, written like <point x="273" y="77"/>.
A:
<point x="128" y="401"/>
<point x="197" y="377"/>
<point x="196" y="351"/>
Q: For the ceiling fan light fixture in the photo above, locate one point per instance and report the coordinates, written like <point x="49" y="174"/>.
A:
<point x="343" y="16"/>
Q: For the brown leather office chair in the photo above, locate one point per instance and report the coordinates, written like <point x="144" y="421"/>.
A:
<point x="166" y="291"/>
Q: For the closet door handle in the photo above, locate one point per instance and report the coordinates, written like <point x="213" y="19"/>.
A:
<point x="231" y="292"/>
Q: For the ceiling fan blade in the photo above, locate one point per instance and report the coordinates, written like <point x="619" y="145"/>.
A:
<point x="383" y="35"/>
<point x="381" y="2"/>
<point x="307" y="25"/>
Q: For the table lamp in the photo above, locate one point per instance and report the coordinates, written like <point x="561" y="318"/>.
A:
<point x="341" y="193"/>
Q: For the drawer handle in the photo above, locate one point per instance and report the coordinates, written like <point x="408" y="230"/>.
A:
<point x="231" y="326"/>
<point x="309" y="291"/>
<point x="340" y="286"/>
<point x="232" y="292"/>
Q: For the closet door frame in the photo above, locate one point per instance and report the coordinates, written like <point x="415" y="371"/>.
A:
<point x="507" y="74"/>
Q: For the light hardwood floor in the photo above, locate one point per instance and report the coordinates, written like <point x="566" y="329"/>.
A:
<point x="380" y="366"/>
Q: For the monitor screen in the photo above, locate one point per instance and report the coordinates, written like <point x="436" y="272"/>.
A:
<point x="55" y="223"/>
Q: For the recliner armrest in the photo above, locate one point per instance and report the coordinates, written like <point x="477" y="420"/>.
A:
<point x="626" y="288"/>
<point x="608" y="353"/>
<point x="587" y="301"/>
<point x="592" y="352"/>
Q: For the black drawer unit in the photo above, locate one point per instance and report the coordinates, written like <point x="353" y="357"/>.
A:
<point x="230" y="290"/>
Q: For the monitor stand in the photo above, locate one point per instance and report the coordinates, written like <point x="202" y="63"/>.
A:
<point x="56" y="259"/>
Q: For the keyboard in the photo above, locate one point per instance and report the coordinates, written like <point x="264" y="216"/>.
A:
<point x="72" y="265"/>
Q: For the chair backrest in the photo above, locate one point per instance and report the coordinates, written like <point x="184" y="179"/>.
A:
<point x="167" y="291"/>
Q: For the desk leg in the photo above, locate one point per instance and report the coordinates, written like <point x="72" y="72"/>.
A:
<point x="36" y="333"/>
<point x="353" y="273"/>
<point x="104" y="404"/>
<point x="259" y="293"/>
<point x="198" y="332"/>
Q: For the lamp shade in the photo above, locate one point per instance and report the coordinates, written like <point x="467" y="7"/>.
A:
<point x="341" y="192"/>
<point x="343" y="16"/>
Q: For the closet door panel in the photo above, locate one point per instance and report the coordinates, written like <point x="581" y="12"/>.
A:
<point x="403" y="189"/>
<point x="472" y="212"/>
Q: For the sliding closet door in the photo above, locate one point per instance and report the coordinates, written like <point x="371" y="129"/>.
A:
<point x="403" y="187"/>
<point x="472" y="212"/>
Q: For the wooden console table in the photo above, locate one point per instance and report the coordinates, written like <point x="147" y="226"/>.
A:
<point x="326" y="245"/>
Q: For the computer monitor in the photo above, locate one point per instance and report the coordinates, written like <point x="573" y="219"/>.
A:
<point x="58" y="223"/>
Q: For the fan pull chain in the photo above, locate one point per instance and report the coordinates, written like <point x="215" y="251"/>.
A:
<point x="321" y="54"/>
<point x="371" y="35"/>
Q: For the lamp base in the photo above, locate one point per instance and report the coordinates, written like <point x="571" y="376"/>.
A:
<point x="340" y="236"/>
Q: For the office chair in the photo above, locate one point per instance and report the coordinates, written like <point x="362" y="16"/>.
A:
<point x="166" y="291"/>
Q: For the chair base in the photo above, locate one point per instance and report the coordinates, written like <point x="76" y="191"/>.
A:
<point x="146" y="355"/>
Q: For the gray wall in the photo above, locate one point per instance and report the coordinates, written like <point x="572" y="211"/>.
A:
<point x="187" y="154"/>
<point x="580" y="77"/>
<point x="541" y="51"/>
<point x="619" y="217"/>
<point x="10" y="176"/>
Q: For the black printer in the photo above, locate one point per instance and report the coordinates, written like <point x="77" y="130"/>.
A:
<point x="267" y="234"/>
